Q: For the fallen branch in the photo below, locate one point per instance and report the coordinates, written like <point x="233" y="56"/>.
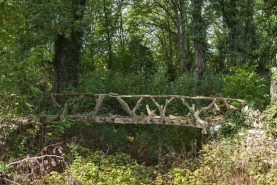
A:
<point x="34" y="158"/>
<point x="44" y="149"/>
<point x="12" y="182"/>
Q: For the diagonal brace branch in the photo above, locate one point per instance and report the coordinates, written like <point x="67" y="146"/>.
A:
<point x="166" y="104"/>
<point x="65" y="107"/>
<point x="97" y="106"/>
<point x="55" y="102"/>
<point x="196" y="114"/>
<point x="229" y="107"/>
<point x="162" y="108"/>
<point x="126" y="107"/>
<point x="137" y="105"/>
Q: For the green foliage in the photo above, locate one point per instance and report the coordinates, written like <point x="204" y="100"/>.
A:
<point x="246" y="84"/>
<point x="4" y="167"/>
<point x="57" y="128"/>
<point x="269" y="115"/>
<point x="136" y="59"/>
<point x="225" y="161"/>
<point x="22" y="139"/>
<point x="100" y="169"/>
<point x="176" y="175"/>
<point x="233" y="122"/>
<point x="147" y="144"/>
<point x="186" y="84"/>
<point x="132" y="47"/>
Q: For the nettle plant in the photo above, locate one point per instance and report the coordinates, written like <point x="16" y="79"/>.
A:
<point x="246" y="84"/>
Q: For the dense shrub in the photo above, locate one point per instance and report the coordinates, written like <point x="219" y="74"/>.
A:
<point x="229" y="161"/>
<point x="246" y="84"/>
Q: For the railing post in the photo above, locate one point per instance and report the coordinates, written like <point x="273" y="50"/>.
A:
<point x="273" y="80"/>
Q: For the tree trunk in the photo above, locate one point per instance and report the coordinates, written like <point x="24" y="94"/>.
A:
<point x="198" y="37"/>
<point x="121" y="30"/>
<point x="181" y="37"/>
<point x="170" y="61"/>
<point x="68" y="53"/>
<point x="178" y="17"/>
<point x="109" y="65"/>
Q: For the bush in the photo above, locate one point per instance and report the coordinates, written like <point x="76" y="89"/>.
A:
<point x="101" y="169"/>
<point x="246" y="84"/>
<point x="228" y="161"/>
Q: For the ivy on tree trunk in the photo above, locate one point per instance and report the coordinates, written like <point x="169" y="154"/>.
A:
<point x="67" y="55"/>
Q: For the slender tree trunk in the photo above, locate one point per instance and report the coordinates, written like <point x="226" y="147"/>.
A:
<point x="181" y="38"/>
<point x="183" y="34"/>
<point x="68" y="53"/>
<point x="121" y="30"/>
<point x="170" y="42"/>
<point x="178" y="17"/>
<point x="198" y="37"/>
<point x="170" y="62"/>
<point x="249" y="31"/>
<point x="230" y="14"/>
<point x="109" y="65"/>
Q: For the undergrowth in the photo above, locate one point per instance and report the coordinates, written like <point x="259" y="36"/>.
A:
<point x="73" y="153"/>
<point x="225" y="161"/>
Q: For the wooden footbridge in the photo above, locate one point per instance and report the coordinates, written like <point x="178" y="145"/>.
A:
<point x="190" y="118"/>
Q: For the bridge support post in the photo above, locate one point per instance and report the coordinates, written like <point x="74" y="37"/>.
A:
<point x="273" y="81"/>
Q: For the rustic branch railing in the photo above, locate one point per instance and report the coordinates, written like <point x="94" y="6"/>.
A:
<point x="132" y="117"/>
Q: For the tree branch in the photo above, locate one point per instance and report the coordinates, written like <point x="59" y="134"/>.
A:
<point x="150" y="112"/>
<point x="160" y="107"/>
<point x="54" y="100"/>
<point x="97" y="106"/>
<point x="32" y="158"/>
<point x="126" y="107"/>
<point x="12" y="182"/>
<point x="166" y="104"/>
<point x="137" y="105"/>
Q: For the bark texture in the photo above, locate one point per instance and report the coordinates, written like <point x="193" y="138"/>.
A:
<point x="68" y="51"/>
<point x="199" y="40"/>
<point x="273" y="71"/>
